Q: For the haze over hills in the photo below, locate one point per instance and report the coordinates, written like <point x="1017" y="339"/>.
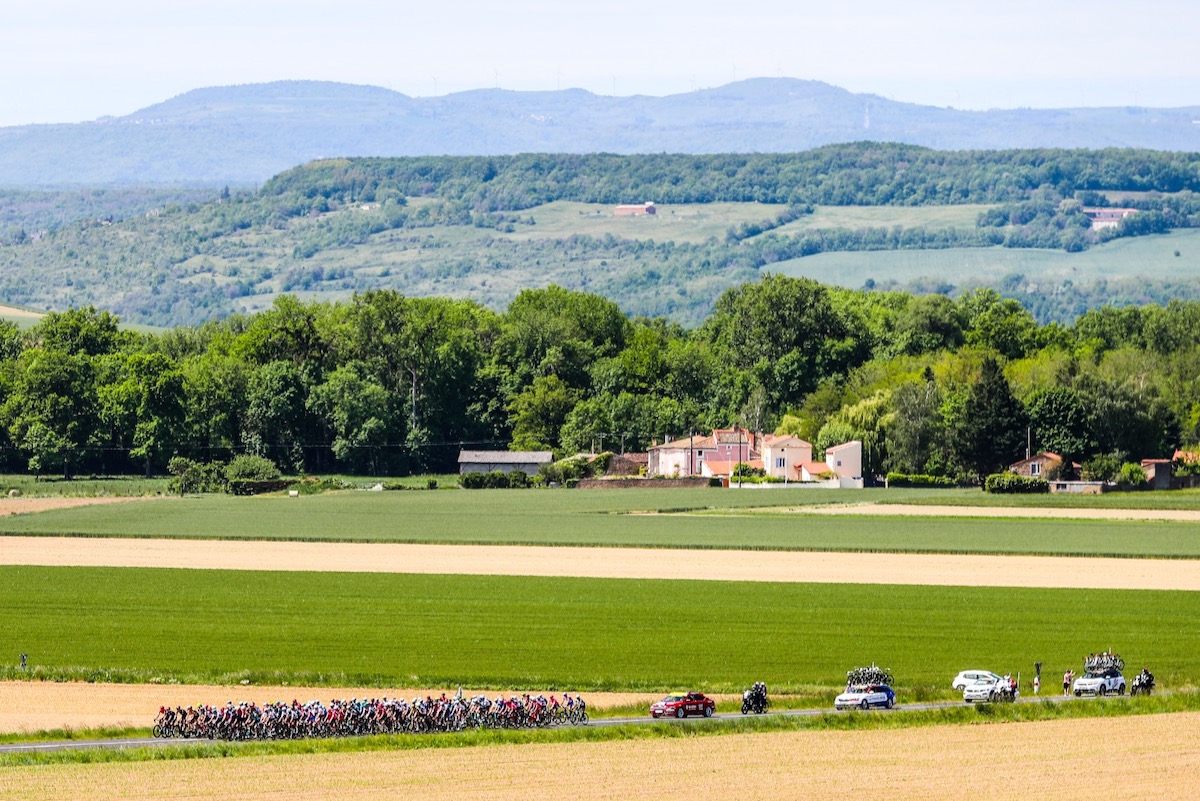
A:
<point x="245" y="134"/>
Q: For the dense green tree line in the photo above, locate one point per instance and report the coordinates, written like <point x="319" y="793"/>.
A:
<point x="864" y="173"/>
<point x="384" y="383"/>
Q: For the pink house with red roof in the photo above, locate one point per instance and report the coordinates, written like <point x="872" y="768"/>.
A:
<point x="715" y="454"/>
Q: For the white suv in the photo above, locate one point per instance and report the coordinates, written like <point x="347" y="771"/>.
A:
<point x="1100" y="682"/>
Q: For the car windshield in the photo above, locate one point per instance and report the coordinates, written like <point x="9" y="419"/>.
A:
<point x="674" y="698"/>
<point x="1091" y="674"/>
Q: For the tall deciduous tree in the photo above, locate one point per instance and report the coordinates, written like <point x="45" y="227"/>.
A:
<point x="1061" y="422"/>
<point x="52" y="408"/>
<point x="786" y="332"/>
<point x="539" y="413"/>
<point x="358" y="411"/>
<point x="916" y="431"/>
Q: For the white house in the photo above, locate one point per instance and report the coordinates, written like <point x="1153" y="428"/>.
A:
<point x="845" y="459"/>
<point x="784" y="454"/>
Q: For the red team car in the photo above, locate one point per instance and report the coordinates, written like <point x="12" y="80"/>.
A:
<point x="680" y="705"/>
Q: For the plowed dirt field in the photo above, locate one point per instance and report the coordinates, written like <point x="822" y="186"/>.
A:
<point x="639" y="563"/>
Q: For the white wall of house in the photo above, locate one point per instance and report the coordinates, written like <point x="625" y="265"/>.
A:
<point x="845" y="459"/>
<point x="669" y="462"/>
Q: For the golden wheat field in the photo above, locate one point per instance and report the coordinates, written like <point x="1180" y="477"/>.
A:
<point x="1152" y="757"/>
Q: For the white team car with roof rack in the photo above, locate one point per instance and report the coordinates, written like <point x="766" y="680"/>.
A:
<point x="1100" y="682"/>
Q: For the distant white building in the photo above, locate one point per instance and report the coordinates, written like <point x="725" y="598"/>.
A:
<point x="1107" y="218"/>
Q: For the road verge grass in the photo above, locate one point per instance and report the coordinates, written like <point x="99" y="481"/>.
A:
<point x="982" y="714"/>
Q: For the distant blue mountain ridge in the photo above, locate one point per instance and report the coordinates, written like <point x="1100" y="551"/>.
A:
<point x="242" y="135"/>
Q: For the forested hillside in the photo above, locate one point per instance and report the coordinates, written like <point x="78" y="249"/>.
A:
<point x="385" y="384"/>
<point x="487" y="227"/>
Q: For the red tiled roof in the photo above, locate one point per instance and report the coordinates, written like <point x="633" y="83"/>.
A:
<point x="684" y="442"/>
<point x="1037" y="457"/>
<point x="722" y="467"/>
<point x="775" y="439"/>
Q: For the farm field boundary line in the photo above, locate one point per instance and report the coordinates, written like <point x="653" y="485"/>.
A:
<point x="620" y="563"/>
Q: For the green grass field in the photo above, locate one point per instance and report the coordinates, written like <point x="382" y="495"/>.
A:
<point x="684" y="222"/>
<point x="1121" y="258"/>
<point x="721" y="519"/>
<point x="588" y="634"/>
<point x="855" y="217"/>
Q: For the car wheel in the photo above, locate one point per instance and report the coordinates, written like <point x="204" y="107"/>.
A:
<point x="1120" y="689"/>
<point x="865" y="704"/>
<point x="1077" y="693"/>
<point x="680" y="712"/>
<point x="891" y="702"/>
<point x="708" y="711"/>
<point x="1102" y="691"/>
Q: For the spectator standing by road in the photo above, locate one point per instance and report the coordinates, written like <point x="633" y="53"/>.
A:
<point x="1070" y="674"/>
<point x="24" y="661"/>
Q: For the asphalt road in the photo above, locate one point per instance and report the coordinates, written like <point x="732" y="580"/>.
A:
<point x="143" y="742"/>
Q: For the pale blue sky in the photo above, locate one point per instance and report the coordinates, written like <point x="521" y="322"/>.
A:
<point x="73" y="60"/>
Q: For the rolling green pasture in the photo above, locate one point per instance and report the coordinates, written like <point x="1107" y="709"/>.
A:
<point x="588" y="634"/>
<point x="1121" y="258"/>
<point x="684" y="222"/>
<point x="698" y="222"/>
<point x="710" y="519"/>
<point x="855" y="217"/>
